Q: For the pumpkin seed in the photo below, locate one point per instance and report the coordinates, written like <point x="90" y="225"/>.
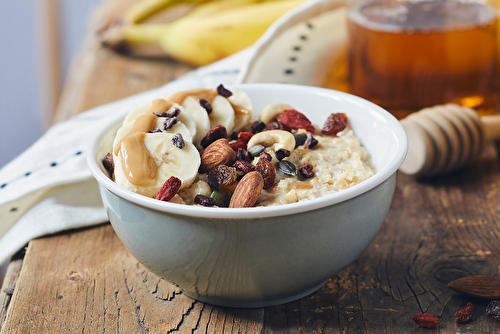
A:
<point x="287" y="167"/>
<point x="219" y="197"/>
<point x="256" y="150"/>
<point x="471" y="331"/>
<point x="300" y="139"/>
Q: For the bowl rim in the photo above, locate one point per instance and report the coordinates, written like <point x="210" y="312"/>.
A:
<point x="258" y="212"/>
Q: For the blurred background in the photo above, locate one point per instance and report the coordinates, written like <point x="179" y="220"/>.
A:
<point x="38" y="39"/>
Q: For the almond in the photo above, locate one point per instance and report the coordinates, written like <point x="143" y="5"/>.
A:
<point x="217" y="153"/>
<point x="247" y="191"/>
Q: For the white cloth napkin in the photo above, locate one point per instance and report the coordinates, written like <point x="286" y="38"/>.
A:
<point x="49" y="187"/>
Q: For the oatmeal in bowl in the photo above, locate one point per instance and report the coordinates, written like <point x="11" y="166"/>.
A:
<point x="206" y="214"/>
<point x="204" y="147"/>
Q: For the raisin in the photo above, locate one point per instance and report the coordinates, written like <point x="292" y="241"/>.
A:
<point x="225" y="176"/>
<point x="215" y="133"/>
<point x="204" y="200"/>
<point x="282" y="154"/>
<point x="108" y="163"/>
<point x="493" y="309"/>
<point x="243" y="154"/>
<point x="257" y="126"/>
<point x="276" y="126"/>
<point x="212" y="182"/>
<point x="266" y="169"/>
<point x="244" y="166"/>
<point x="169" y="189"/>
<point x="334" y="124"/>
<point x="206" y="105"/>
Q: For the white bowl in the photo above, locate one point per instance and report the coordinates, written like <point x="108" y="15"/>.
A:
<point x="255" y="257"/>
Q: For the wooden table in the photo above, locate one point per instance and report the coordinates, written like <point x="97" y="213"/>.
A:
<point x="85" y="281"/>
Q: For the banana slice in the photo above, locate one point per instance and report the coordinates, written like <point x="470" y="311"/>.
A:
<point x="200" y="116"/>
<point x="243" y="112"/>
<point x="179" y="127"/>
<point x="222" y="113"/>
<point x="274" y="140"/>
<point x="154" y="158"/>
<point x="268" y="114"/>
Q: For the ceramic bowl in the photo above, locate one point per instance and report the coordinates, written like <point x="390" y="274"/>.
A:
<point x="263" y="256"/>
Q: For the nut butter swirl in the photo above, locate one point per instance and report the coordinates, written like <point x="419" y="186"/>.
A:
<point x="138" y="165"/>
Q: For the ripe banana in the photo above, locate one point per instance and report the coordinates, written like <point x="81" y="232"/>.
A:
<point x="167" y="160"/>
<point x="211" y="31"/>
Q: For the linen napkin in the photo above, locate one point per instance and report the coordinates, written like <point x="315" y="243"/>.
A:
<point x="49" y="187"/>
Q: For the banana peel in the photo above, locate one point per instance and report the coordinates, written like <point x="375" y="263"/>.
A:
<point x="213" y="30"/>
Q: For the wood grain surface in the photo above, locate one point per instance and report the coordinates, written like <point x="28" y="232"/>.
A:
<point x="437" y="230"/>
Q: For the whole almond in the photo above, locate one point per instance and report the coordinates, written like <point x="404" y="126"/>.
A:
<point x="247" y="191"/>
<point x="478" y="286"/>
<point x="217" y="153"/>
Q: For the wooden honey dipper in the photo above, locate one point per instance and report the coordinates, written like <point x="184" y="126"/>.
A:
<point x="445" y="138"/>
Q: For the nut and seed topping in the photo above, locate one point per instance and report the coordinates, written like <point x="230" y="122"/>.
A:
<point x="219" y="197"/>
<point x="169" y="123"/>
<point x="310" y="142"/>
<point x="222" y="91"/>
<point x="178" y="141"/>
<point x="247" y="191"/>
<point x="300" y="139"/>
<point x="257" y="126"/>
<point x="287" y="167"/>
<point x="206" y="105"/>
<point x="172" y="112"/>
<point x="265" y="155"/>
<point x="212" y="182"/>
<point x="282" y="154"/>
<point x="306" y="170"/>
<point x="256" y="150"/>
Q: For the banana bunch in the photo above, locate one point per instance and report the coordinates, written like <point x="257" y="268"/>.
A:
<point x="213" y="30"/>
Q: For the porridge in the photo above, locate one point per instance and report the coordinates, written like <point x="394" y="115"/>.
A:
<point x="200" y="147"/>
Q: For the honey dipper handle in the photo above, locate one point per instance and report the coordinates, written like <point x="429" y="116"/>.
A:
<point x="491" y="127"/>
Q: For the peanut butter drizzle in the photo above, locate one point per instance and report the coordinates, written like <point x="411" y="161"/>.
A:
<point x="137" y="164"/>
<point x="206" y="94"/>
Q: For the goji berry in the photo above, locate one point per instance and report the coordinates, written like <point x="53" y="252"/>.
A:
<point x="295" y="120"/>
<point x="169" y="189"/>
<point x="464" y="314"/>
<point x="245" y="136"/>
<point x="425" y="320"/>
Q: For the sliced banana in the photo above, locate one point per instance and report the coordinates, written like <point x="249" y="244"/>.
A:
<point x="200" y="116"/>
<point x="243" y="113"/>
<point x="273" y="140"/>
<point x="179" y="127"/>
<point x="168" y="159"/>
<point x="269" y="112"/>
<point x="222" y="113"/>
